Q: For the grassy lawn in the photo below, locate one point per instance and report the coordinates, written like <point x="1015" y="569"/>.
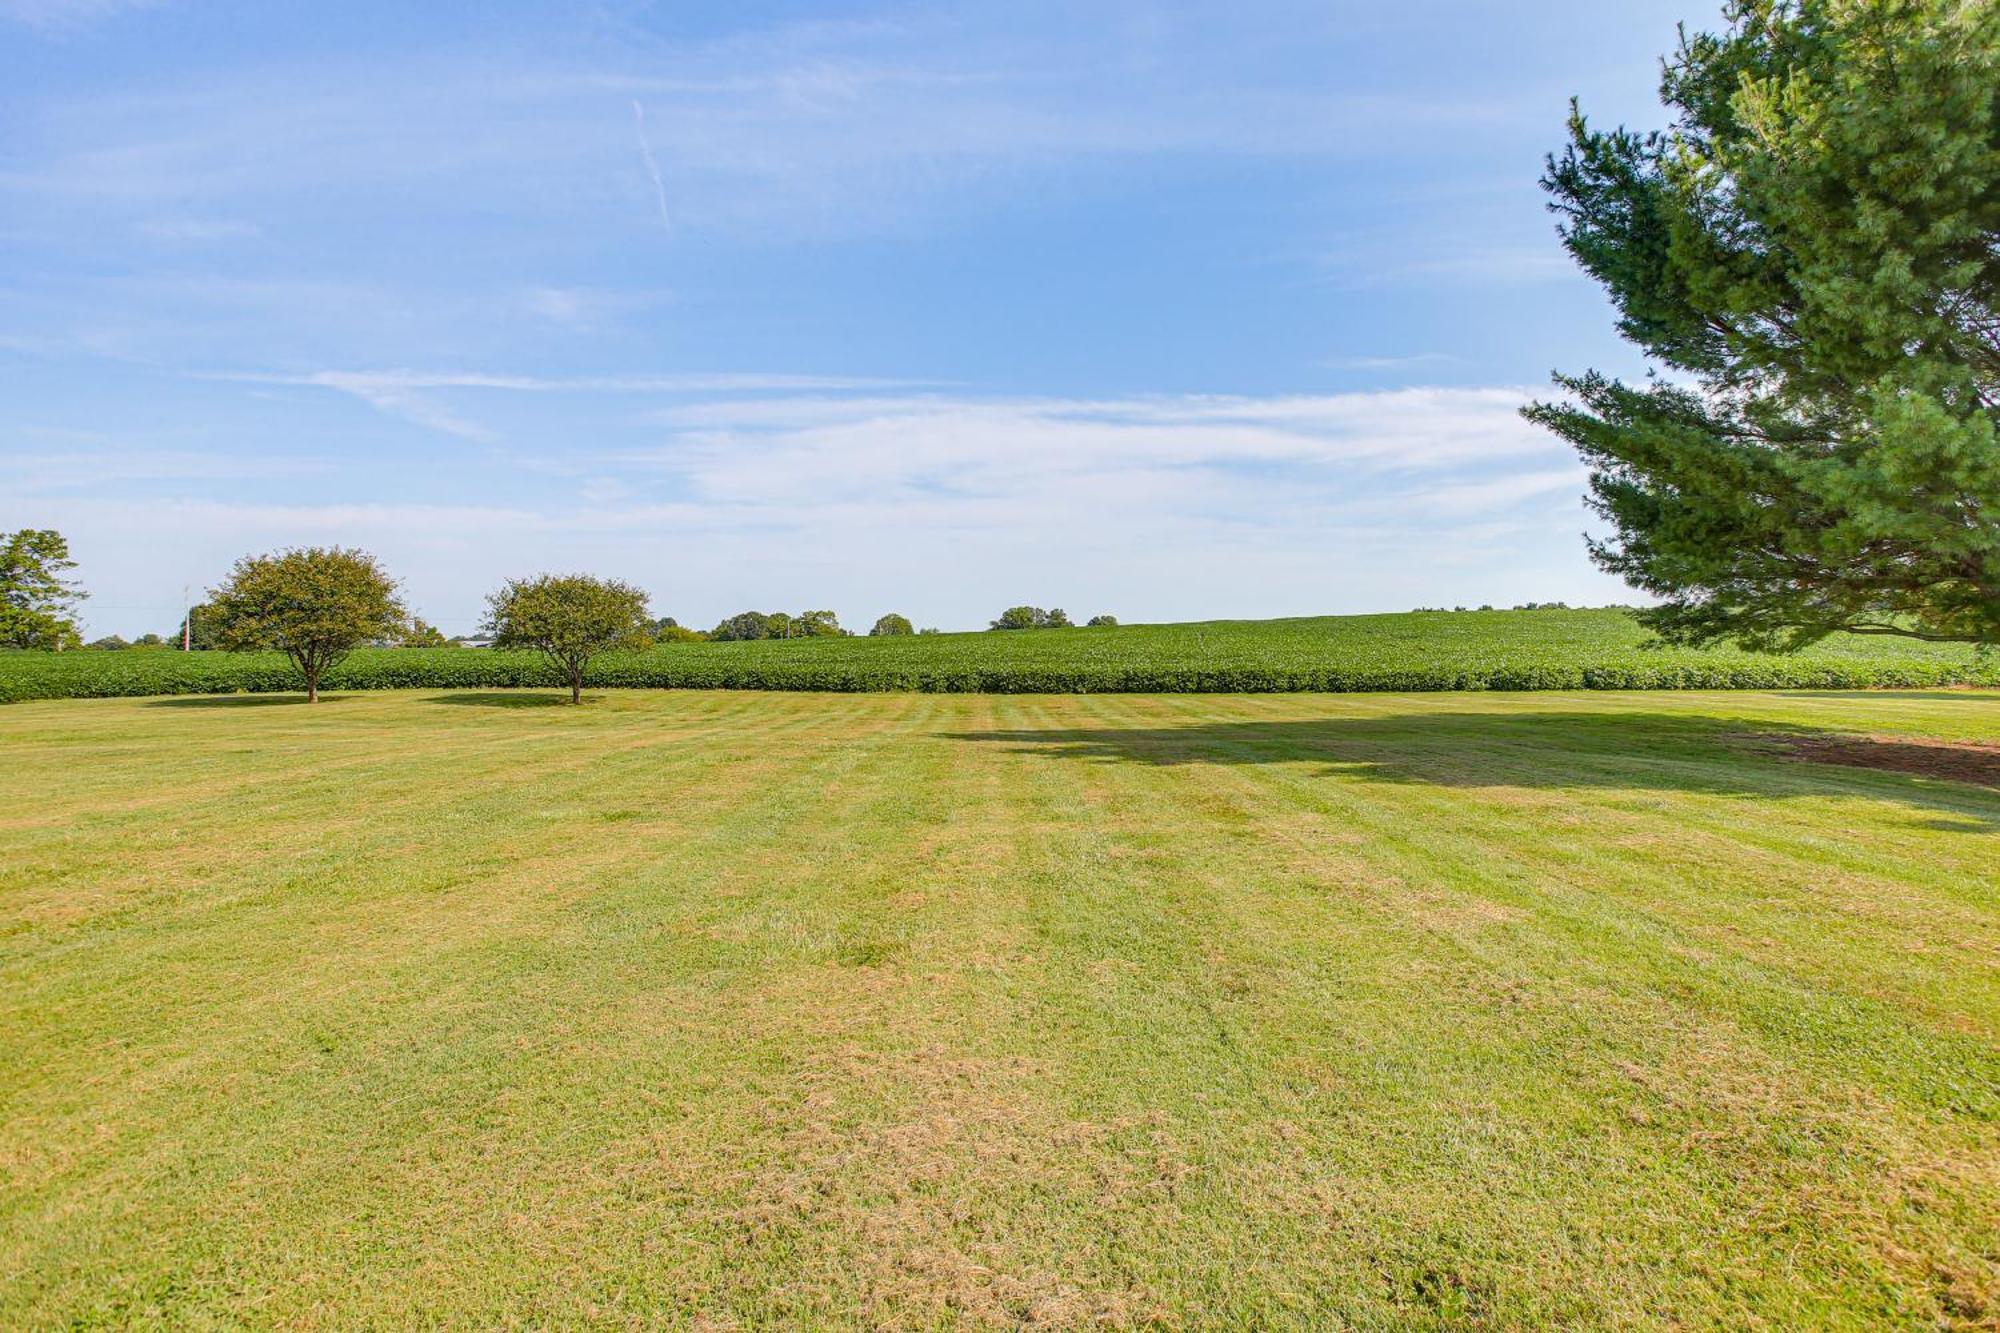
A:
<point x="721" y="1009"/>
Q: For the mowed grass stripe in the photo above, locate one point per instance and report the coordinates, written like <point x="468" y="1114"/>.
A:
<point x="1754" y="909"/>
<point x="919" y="1010"/>
<point x="1497" y="886"/>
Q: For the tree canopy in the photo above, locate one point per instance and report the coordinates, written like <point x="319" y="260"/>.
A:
<point x="420" y="633"/>
<point x="741" y="626"/>
<point x="37" y="598"/>
<point x="1811" y="255"/>
<point x="569" y="619"/>
<point x="313" y="604"/>
<point x="779" y="625"/>
<point x="890" y="626"/>
<point x="202" y="636"/>
<point x="817" y="625"/>
<point x="1031" y="617"/>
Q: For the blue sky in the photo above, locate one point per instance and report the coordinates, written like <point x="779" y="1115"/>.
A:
<point x="1173" y="311"/>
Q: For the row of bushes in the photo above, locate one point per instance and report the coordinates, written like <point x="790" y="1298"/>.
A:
<point x="70" y="675"/>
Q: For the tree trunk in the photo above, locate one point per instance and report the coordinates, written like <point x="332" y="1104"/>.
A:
<point x="312" y="686"/>
<point x="576" y="685"/>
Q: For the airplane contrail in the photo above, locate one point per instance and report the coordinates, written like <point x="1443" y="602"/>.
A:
<point x="652" y="166"/>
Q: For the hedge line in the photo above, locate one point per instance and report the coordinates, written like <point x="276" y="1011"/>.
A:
<point x="96" y="675"/>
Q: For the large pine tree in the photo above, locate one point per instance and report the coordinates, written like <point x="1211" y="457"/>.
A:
<point x="1811" y="256"/>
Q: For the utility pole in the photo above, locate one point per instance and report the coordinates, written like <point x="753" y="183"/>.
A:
<point x="187" y="619"/>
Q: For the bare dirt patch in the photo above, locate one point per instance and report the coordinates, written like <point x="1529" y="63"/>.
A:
<point x="1976" y="762"/>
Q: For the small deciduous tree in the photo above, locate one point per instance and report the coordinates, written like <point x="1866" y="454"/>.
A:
<point x="569" y="619"/>
<point x="1101" y="622"/>
<point x="313" y="604"/>
<point x="890" y="626"/>
<point x="37" y="599"/>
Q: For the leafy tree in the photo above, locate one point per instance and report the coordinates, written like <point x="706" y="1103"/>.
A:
<point x="1019" y="617"/>
<point x="569" y="619"/>
<point x="817" y="625"/>
<point x="1812" y="251"/>
<point x="668" y="630"/>
<point x="779" y="625"/>
<point x="153" y="642"/>
<point x="37" y="600"/>
<point x="110" y="643"/>
<point x="1101" y="622"/>
<point x="1031" y="617"/>
<point x="420" y="633"/>
<point x="203" y="639"/>
<point x="741" y="626"/>
<point x="890" y="626"/>
<point x="313" y="604"/>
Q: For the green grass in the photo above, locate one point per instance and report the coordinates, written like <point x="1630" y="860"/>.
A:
<point x="1506" y="650"/>
<point x="738" y="1010"/>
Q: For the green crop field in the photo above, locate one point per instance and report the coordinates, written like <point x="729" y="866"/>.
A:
<point x="717" y="1009"/>
<point x="1504" y="650"/>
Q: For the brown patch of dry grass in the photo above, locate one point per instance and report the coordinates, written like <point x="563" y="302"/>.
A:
<point x="1975" y="762"/>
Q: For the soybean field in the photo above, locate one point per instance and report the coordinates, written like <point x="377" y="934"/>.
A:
<point x="1413" y="651"/>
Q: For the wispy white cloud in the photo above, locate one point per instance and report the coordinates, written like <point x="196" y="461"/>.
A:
<point x="353" y="381"/>
<point x="813" y="127"/>
<point x="1174" y="505"/>
<point x="390" y="398"/>
<point x="652" y="166"/>
<point x="589" y="308"/>
<point x="1409" y="362"/>
<point x="1209" y="451"/>
<point x="412" y="395"/>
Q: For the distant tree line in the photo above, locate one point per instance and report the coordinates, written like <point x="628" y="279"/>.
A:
<point x="318" y="604"/>
<point x="779" y="625"/>
<point x="1034" y="617"/>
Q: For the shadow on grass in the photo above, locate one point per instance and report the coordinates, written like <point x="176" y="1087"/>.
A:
<point x="239" y="700"/>
<point x="1638" y="751"/>
<point x="492" y="699"/>
<point x="1981" y="694"/>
